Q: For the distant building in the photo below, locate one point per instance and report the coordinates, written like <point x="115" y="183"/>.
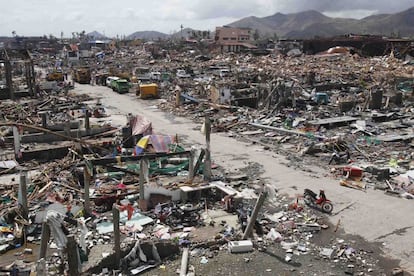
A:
<point x="231" y="39"/>
<point x="71" y="54"/>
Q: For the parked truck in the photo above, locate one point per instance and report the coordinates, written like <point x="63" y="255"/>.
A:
<point x="121" y="86"/>
<point x="82" y="75"/>
<point x="55" y="75"/>
<point x="146" y="91"/>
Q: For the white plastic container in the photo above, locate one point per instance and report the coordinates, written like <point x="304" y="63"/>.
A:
<point x="240" y="246"/>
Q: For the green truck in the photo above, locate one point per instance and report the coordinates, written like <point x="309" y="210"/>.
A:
<point x="121" y="86"/>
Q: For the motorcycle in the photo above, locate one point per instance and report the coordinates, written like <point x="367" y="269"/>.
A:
<point x="340" y="157"/>
<point x="321" y="202"/>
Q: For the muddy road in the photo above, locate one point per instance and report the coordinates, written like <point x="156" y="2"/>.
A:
<point x="376" y="217"/>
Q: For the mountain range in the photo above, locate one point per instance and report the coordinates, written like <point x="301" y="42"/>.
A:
<point x="148" y="35"/>
<point x="309" y="24"/>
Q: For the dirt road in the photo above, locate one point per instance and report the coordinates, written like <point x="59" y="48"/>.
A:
<point x="371" y="214"/>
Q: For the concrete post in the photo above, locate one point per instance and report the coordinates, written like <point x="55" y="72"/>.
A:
<point x="73" y="256"/>
<point x="44" y="241"/>
<point x="184" y="262"/>
<point x="254" y="215"/>
<point x="67" y="129"/>
<point x="16" y="138"/>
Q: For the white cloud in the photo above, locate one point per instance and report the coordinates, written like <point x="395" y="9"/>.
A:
<point x="126" y="16"/>
<point x="357" y="14"/>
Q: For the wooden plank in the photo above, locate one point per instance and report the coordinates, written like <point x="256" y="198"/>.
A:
<point x="394" y="138"/>
<point x="109" y="160"/>
<point x="335" y="120"/>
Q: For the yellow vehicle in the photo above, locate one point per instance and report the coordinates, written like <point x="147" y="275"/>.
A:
<point x="55" y="75"/>
<point x="146" y="91"/>
<point x="82" y="75"/>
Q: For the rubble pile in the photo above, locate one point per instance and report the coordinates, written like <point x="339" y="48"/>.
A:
<point x="94" y="198"/>
<point x="338" y="103"/>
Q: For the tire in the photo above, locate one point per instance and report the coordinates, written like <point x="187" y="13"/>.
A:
<point x="327" y="207"/>
<point x="170" y="221"/>
<point x="195" y="217"/>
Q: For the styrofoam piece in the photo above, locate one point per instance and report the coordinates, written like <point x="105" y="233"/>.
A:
<point x="240" y="246"/>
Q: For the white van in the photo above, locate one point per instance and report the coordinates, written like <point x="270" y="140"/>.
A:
<point x="109" y="79"/>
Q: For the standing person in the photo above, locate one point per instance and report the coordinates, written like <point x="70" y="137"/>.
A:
<point x="228" y="201"/>
<point x="93" y="77"/>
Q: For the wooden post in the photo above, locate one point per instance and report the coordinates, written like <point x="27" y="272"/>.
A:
<point x="87" y="181"/>
<point x="23" y="194"/>
<point x="16" y="138"/>
<point x="177" y="96"/>
<point x="22" y="199"/>
<point x="68" y="128"/>
<point x="184" y="262"/>
<point x="45" y="240"/>
<point x="117" y="236"/>
<point x="87" y="124"/>
<point x="9" y="79"/>
<point x="32" y="78"/>
<point x="253" y="217"/>
<point x="26" y="75"/>
<point x="44" y="119"/>
<point x="207" y="160"/>
<point x="73" y="256"/>
<point x="199" y="160"/>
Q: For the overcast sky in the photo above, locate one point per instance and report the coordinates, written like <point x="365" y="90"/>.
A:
<point x="123" y="17"/>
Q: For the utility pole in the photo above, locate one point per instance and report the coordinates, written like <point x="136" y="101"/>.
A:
<point x="181" y="27"/>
